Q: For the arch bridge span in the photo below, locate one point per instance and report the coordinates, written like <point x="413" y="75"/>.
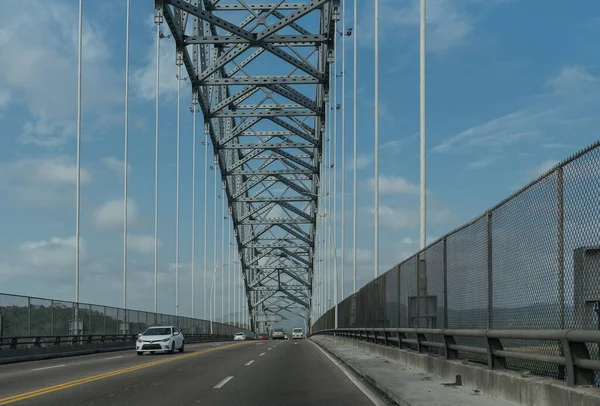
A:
<point x="260" y="76"/>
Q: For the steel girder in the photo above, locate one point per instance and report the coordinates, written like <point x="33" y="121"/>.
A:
<point x="260" y="76"/>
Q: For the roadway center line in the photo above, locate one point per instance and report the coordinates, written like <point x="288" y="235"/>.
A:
<point x="362" y="387"/>
<point x="262" y="354"/>
<point x="249" y="363"/>
<point x="53" y="366"/>
<point x="223" y="382"/>
<point x="120" y="356"/>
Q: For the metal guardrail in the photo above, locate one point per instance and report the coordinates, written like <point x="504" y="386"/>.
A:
<point x="576" y="359"/>
<point x="14" y="343"/>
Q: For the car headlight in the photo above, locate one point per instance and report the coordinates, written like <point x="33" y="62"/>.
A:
<point x="139" y="340"/>
<point x="166" y="340"/>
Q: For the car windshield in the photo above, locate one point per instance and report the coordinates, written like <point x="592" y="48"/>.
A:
<point x="239" y="334"/>
<point x="297" y="330"/>
<point x="158" y="331"/>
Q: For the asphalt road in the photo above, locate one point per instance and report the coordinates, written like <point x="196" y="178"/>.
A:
<point x="243" y="373"/>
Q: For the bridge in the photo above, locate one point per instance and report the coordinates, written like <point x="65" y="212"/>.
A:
<point x="246" y="124"/>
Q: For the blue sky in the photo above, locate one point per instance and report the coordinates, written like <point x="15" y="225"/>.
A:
<point x="512" y="89"/>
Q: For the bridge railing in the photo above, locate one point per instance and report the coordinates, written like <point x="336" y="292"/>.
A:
<point x="24" y="316"/>
<point x="574" y="355"/>
<point x="529" y="263"/>
<point x="15" y="343"/>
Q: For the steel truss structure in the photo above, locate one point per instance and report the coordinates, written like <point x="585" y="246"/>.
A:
<point x="260" y="75"/>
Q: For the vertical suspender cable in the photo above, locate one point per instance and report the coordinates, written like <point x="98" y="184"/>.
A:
<point x="177" y="191"/>
<point x="193" y="207"/>
<point x="354" y="169"/>
<point x="223" y="215"/>
<point x="78" y="198"/>
<point x="376" y="248"/>
<point x="335" y="171"/>
<point x="423" y="133"/>
<point x="343" y="167"/>
<point x="156" y="171"/>
<point x="205" y="250"/>
<point x="126" y="160"/>
<point x="215" y="238"/>
<point x="229" y="266"/>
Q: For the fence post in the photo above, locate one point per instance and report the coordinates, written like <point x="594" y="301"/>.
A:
<point x="29" y="316"/>
<point x="445" y="260"/>
<point x="490" y="262"/>
<point x="560" y="253"/>
<point x="417" y="314"/>
<point x="575" y="351"/>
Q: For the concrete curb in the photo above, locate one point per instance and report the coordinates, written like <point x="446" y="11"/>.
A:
<point x="384" y="389"/>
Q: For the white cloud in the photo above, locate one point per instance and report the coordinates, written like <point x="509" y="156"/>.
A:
<point x="572" y="78"/>
<point x="481" y="163"/>
<point x="395" y="185"/>
<point x="449" y="23"/>
<point x="39" y="69"/>
<point x="110" y="215"/>
<point x="362" y="162"/>
<point x="144" y="79"/>
<point x="116" y="165"/>
<point x="54" y="252"/>
<point x="397" y="218"/>
<point x="4" y="98"/>
<point x="571" y="107"/>
<point x="542" y="168"/>
<point x="41" y="181"/>
<point x="141" y="243"/>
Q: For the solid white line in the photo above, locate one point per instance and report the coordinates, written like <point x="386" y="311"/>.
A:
<point x="223" y="382"/>
<point x="364" y="389"/>
<point x="262" y="354"/>
<point x="120" y="356"/>
<point x="249" y="363"/>
<point x="53" y="366"/>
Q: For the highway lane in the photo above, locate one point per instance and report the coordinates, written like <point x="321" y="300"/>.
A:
<point x="248" y="373"/>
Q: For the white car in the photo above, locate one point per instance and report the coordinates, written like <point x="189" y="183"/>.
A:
<point x="239" y="337"/>
<point x="297" y="333"/>
<point x="160" y="339"/>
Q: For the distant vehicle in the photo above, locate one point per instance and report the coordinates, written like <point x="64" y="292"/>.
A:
<point x="160" y="339"/>
<point x="263" y="337"/>
<point x="297" y="333"/>
<point x="239" y="337"/>
<point x="278" y="334"/>
<point x="285" y="337"/>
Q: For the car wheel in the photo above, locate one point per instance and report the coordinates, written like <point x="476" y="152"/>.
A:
<point x="140" y="352"/>
<point x="182" y="346"/>
<point x="173" y="348"/>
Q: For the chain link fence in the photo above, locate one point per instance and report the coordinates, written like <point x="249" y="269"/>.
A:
<point x="530" y="262"/>
<point x="23" y="316"/>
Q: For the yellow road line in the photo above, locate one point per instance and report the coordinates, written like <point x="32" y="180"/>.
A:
<point x="67" y="385"/>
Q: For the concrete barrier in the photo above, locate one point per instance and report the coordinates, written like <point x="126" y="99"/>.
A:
<point x="10" y="356"/>
<point x="513" y="386"/>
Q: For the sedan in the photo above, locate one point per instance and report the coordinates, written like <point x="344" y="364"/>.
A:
<point x="160" y="339"/>
<point x="239" y="337"/>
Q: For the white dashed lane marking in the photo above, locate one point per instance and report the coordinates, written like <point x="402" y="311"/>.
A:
<point x="223" y="382"/>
